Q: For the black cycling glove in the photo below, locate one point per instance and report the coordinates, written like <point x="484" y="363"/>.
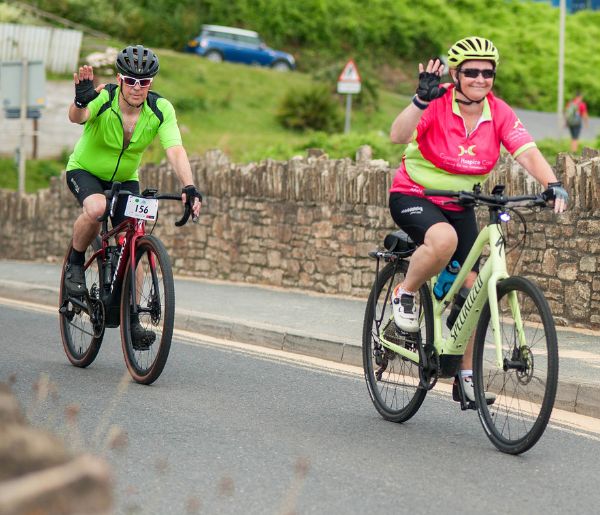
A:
<point x="84" y="93"/>
<point x="429" y="86"/>
<point x="555" y="191"/>
<point x="191" y="192"/>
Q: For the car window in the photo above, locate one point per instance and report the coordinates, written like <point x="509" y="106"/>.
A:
<point x="218" y="35"/>
<point x="249" y="40"/>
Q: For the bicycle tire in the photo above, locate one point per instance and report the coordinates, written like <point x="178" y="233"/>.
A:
<point x="76" y="328"/>
<point x="393" y="383"/>
<point x="156" y="306"/>
<point x="525" y="396"/>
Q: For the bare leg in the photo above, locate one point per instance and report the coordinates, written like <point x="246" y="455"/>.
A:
<point x="429" y="258"/>
<point x="86" y="228"/>
<point x="574" y="145"/>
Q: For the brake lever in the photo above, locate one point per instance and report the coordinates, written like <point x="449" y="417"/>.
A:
<point x="185" y="217"/>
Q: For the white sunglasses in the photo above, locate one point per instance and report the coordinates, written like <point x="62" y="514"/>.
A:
<point x="132" y="81"/>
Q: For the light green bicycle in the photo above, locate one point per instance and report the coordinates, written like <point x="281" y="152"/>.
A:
<point x="515" y="354"/>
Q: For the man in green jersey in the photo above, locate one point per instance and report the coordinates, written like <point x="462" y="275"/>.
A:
<point x="120" y="121"/>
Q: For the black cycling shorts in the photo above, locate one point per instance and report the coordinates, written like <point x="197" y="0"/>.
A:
<point x="83" y="184"/>
<point x="415" y="215"/>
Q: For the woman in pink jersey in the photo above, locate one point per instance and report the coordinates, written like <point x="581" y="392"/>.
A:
<point x="454" y="133"/>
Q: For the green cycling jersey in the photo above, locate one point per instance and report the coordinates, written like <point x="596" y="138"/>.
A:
<point x="101" y="150"/>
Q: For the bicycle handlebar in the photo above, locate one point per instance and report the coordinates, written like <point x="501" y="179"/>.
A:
<point x="115" y="192"/>
<point x="470" y="198"/>
<point x="187" y="208"/>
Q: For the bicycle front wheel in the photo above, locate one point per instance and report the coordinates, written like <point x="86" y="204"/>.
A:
<point x="154" y="295"/>
<point x="392" y="380"/>
<point x="525" y="385"/>
<point x="82" y="330"/>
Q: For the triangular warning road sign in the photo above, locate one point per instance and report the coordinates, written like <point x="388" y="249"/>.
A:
<point x="349" y="73"/>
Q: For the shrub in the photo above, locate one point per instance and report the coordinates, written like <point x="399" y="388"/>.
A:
<point x="313" y="108"/>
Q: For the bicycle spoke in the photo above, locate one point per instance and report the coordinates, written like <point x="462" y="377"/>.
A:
<point x="155" y="306"/>
<point x="81" y="336"/>
<point x="525" y="386"/>
<point x="393" y="381"/>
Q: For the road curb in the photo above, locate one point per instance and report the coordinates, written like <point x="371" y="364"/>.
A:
<point x="575" y="396"/>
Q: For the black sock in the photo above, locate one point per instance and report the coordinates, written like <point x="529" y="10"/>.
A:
<point x="134" y="318"/>
<point x="77" y="258"/>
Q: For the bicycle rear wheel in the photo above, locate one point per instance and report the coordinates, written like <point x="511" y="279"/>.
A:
<point x="393" y="381"/>
<point x="155" y="298"/>
<point x="526" y="385"/>
<point x="81" y="332"/>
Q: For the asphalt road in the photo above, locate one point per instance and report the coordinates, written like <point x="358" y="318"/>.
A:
<point x="229" y="429"/>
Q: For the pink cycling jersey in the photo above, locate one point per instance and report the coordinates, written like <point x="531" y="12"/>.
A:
<point x="443" y="156"/>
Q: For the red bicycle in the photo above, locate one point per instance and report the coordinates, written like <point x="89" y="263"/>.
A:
<point x="133" y="278"/>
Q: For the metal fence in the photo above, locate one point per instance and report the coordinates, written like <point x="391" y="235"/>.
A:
<point x="58" y="48"/>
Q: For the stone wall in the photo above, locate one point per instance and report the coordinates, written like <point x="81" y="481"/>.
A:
<point x="308" y="223"/>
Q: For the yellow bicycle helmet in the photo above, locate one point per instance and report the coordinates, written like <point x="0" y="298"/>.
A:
<point x="472" y="47"/>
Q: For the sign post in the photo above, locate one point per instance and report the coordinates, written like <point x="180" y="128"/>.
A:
<point x="22" y="92"/>
<point x="349" y="84"/>
<point x="23" y="117"/>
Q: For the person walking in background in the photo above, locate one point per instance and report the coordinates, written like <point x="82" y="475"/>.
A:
<point x="575" y="115"/>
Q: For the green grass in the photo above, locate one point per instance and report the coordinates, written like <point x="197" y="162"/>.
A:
<point x="234" y="108"/>
<point x="37" y="173"/>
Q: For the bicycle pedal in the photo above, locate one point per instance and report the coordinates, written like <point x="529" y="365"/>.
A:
<point x="455" y="393"/>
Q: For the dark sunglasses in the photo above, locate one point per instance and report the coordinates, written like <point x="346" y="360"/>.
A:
<point x="132" y="81"/>
<point x="473" y="73"/>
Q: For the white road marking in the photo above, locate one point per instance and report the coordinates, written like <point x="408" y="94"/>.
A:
<point x="568" y="421"/>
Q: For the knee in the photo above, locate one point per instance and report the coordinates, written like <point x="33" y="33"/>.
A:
<point x="442" y="239"/>
<point x="470" y="280"/>
<point x="93" y="207"/>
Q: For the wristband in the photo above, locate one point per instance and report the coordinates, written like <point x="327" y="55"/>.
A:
<point x="191" y="192"/>
<point x="419" y="104"/>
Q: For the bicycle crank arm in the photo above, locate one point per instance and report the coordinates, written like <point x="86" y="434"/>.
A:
<point x="458" y="394"/>
<point x="76" y="302"/>
<point x="428" y="368"/>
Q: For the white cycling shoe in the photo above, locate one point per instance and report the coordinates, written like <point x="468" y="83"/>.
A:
<point x="469" y="389"/>
<point x="405" y="311"/>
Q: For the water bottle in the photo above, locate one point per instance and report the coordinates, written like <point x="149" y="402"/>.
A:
<point x="445" y="280"/>
<point x="459" y="300"/>
<point x="108" y="266"/>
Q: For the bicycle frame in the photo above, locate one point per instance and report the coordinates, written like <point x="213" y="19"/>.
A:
<point x="483" y="289"/>
<point x="131" y="230"/>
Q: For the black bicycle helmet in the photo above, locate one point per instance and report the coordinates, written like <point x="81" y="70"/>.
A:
<point x="137" y="61"/>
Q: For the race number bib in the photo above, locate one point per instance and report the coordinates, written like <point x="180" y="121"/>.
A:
<point x="142" y="208"/>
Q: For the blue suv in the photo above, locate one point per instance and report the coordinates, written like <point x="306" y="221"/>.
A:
<point x="218" y="44"/>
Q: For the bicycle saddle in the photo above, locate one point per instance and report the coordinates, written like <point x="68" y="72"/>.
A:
<point x="399" y="241"/>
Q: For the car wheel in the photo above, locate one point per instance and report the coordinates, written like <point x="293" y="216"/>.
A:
<point x="281" y="66"/>
<point x="214" y="56"/>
